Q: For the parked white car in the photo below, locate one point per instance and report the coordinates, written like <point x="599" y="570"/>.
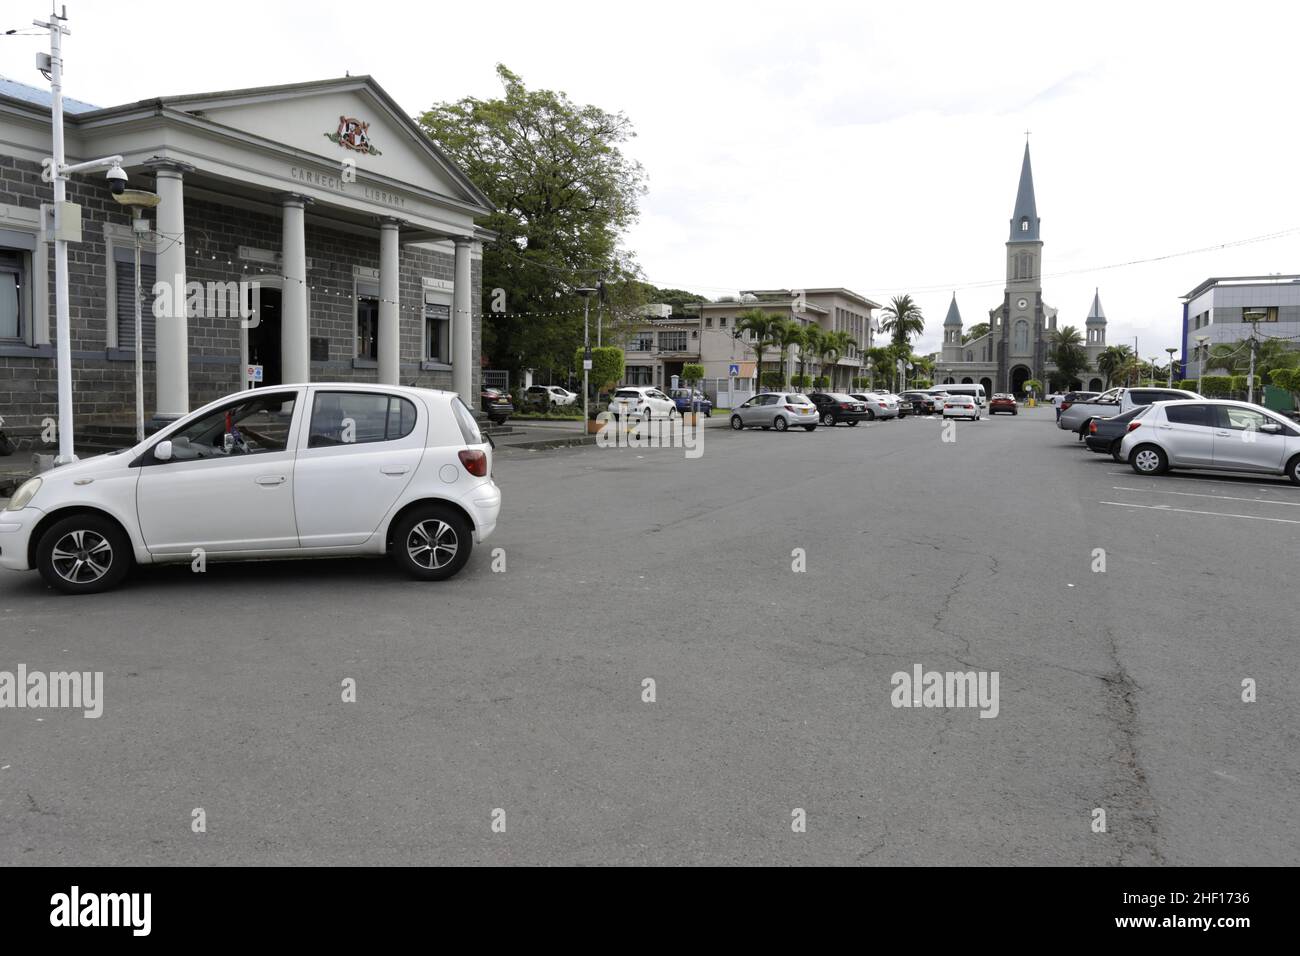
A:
<point x="291" y="471"/>
<point x="641" y="402"/>
<point x="961" y="406"/>
<point x="549" y="396"/>
<point x="1214" y="436"/>
<point x="879" y="404"/>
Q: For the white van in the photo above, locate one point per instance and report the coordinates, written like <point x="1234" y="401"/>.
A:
<point x="975" y="391"/>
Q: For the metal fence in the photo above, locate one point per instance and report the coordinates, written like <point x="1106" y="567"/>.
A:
<point x="496" y="378"/>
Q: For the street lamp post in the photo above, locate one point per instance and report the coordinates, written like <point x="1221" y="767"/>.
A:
<point x="58" y="172"/>
<point x="1200" y="361"/>
<point x="138" y="200"/>
<point x="1171" y="352"/>
<point x="586" y="294"/>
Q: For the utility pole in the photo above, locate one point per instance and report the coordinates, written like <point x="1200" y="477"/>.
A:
<point x="1253" y="316"/>
<point x="586" y="353"/>
<point x="62" y="324"/>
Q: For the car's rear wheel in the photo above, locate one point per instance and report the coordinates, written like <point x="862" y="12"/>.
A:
<point x="83" y="554"/>
<point x="1149" y="460"/>
<point x="1293" y="470"/>
<point x="432" y="543"/>
<point x="780" y="424"/>
<point x="828" y="419"/>
<point x="736" y="423"/>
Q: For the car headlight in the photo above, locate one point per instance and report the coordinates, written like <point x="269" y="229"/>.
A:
<point x="25" y="493"/>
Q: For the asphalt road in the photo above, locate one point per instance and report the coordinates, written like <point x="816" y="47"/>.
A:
<point x="522" y="690"/>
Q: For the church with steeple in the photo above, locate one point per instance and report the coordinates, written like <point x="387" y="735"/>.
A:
<point x="1015" y="347"/>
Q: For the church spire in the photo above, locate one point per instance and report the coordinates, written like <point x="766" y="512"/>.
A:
<point x="954" y="313"/>
<point x="1024" y="222"/>
<point x="1096" y="315"/>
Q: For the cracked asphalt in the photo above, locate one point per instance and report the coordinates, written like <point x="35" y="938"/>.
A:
<point x="522" y="690"/>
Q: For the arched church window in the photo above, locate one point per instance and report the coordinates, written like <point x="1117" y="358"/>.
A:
<point x="1024" y="223"/>
<point x="970" y="355"/>
<point x="1021" y="338"/>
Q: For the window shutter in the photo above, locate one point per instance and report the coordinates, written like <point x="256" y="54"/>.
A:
<point x="126" y="304"/>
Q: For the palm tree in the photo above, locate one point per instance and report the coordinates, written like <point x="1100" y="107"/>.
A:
<point x="762" y="327"/>
<point x="786" y="335"/>
<point x="881" y="359"/>
<point x="833" y="346"/>
<point x="1068" y="353"/>
<point x="1111" y="359"/>
<point x="902" y="319"/>
<point x="814" y="341"/>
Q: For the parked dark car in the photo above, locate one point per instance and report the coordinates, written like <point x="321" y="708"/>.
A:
<point x="1003" y="402"/>
<point x="836" y="407"/>
<point x="1105" y="434"/>
<point x="496" y="405"/>
<point x="682" y="397"/>
<point x="923" y="403"/>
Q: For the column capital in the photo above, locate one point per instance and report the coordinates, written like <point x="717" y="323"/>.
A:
<point x="172" y="168"/>
<point x="390" y="222"/>
<point x="295" y="199"/>
<point x="464" y="241"/>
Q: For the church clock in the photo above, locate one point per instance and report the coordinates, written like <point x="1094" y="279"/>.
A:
<point x="1022" y="304"/>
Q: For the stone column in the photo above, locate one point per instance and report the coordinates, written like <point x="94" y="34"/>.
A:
<point x="462" y="326"/>
<point x="295" y="327"/>
<point x="172" y="364"/>
<point x="390" y="342"/>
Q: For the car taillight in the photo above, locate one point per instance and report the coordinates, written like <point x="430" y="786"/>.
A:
<point x="950" y="406"/>
<point x="884" y="404"/>
<point x="845" y="405"/>
<point x="1133" y="425"/>
<point x="1065" y="405"/>
<point x="1092" y="428"/>
<point x="475" y="462"/>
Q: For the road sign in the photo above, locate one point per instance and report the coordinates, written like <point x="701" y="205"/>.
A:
<point x="254" y="373"/>
<point x="733" y="370"/>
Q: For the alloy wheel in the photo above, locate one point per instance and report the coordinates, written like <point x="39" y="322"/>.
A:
<point x="432" y="544"/>
<point x="82" y="556"/>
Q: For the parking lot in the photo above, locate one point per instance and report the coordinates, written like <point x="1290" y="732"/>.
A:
<point x="521" y="689"/>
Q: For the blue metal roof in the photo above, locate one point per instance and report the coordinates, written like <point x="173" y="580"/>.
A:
<point x="41" y="97"/>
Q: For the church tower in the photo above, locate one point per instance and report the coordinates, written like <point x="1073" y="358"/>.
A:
<point x="1020" y="327"/>
<point x="1096" y="329"/>
<point x="952" y="332"/>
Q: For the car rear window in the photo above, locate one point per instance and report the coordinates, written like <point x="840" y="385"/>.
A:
<point x="627" y="393"/>
<point x="797" y="400"/>
<point x="1131" y="415"/>
<point x="465" y="419"/>
<point x="1152" y="395"/>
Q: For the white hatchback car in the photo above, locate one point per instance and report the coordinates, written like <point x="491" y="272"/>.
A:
<point x="961" y="406"/>
<point x="288" y="471"/>
<point x="641" y="402"/>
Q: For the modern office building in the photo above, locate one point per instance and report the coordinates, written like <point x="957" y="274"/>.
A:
<point x="1223" y="311"/>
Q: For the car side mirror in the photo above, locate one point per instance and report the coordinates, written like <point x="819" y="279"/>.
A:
<point x="1271" y="428"/>
<point x="162" y="451"/>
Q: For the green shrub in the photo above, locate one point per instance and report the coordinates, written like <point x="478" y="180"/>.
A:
<point x="692" y="372"/>
<point x="1212" y="385"/>
<point x="822" y="381"/>
<point x="606" y="366"/>
<point x="772" y="380"/>
<point x="801" y="381"/>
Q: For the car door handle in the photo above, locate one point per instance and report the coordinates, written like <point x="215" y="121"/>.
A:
<point x="270" y="479"/>
<point x="395" y="469"/>
<point x="1223" y="434"/>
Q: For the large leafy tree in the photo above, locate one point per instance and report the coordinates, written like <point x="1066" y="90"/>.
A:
<point x="564" y="193"/>
<point x="1068" y="353"/>
<point x="978" y="330"/>
<point x="1270" y="354"/>
<point x="902" y="319"/>
<point x="1112" y="360"/>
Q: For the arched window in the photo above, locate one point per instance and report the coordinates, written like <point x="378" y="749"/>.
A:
<point x="1020" y="342"/>
<point x="1024" y="223"/>
<point x="970" y="355"/>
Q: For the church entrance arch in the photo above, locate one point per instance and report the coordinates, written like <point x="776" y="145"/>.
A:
<point x="988" y="385"/>
<point x="1019" y="375"/>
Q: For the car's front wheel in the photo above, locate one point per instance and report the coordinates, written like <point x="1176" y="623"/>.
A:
<point x="736" y="423"/>
<point x="1149" y="460"/>
<point x="432" y="543"/>
<point x="83" y="554"/>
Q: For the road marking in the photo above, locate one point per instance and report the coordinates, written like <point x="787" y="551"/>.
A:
<point x="1188" y="511"/>
<point x="1228" y="479"/>
<point x="1192" y="494"/>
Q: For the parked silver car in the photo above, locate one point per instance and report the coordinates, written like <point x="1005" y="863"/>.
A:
<point x="779" y="410"/>
<point x="1213" y="435"/>
<point x="1114" y="402"/>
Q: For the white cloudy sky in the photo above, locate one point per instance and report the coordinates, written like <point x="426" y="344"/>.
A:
<point x="801" y="144"/>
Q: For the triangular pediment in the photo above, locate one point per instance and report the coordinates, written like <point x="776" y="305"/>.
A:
<point x="338" y="120"/>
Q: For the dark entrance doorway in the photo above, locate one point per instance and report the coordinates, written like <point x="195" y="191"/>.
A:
<point x="988" y="386"/>
<point x="264" y="338"/>
<point x="1019" y="375"/>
